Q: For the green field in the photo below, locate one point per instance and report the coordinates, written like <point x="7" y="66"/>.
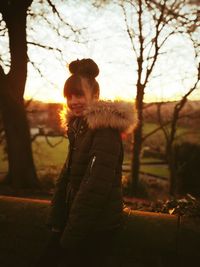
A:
<point x="45" y="156"/>
<point x="183" y="134"/>
<point x="50" y="159"/>
<point x="159" y="170"/>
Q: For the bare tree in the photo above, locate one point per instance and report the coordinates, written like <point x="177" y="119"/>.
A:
<point x="21" y="167"/>
<point x="171" y="130"/>
<point x="168" y="125"/>
<point x="21" y="171"/>
<point x="149" y="25"/>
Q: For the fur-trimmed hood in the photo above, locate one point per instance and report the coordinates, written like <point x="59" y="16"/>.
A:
<point x="114" y="114"/>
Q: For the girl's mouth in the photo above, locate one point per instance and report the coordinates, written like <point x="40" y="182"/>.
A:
<point x="77" y="109"/>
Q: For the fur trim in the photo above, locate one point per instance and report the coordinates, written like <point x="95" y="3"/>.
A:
<point x="113" y="114"/>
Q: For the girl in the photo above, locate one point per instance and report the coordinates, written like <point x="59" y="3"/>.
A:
<point x="87" y="207"/>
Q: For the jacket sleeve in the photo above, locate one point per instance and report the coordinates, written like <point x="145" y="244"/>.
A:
<point x="58" y="202"/>
<point x="95" y="187"/>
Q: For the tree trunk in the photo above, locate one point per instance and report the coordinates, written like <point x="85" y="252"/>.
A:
<point x="21" y="171"/>
<point x="169" y="147"/>
<point x="172" y="172"/>
<point x="137" y="141"/>
<point x="172" y="177"/>
<point x="136" y="159"/>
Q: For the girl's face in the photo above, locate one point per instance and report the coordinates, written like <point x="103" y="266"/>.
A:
<point x="77" y="103"/>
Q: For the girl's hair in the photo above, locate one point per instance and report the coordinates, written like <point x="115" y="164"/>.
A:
<point x="84" y="68"/>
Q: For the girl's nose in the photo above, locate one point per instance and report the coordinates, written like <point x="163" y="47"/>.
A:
<point x="74" y="99"/>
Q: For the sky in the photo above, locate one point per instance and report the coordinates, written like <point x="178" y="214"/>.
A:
<point x="104" y="38"/>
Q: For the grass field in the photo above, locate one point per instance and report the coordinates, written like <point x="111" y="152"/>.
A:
<point x="45" y="156"/>
<point x="159" y="170"/>
<point x="50" y="159"/>
<point x="183" y="134"/>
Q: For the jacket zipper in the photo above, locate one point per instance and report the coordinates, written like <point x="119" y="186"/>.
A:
<point x="91" y="166"/>
<point x="92" y="163"/>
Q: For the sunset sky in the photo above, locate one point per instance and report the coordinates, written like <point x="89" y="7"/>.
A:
<point x="105" y="40"/>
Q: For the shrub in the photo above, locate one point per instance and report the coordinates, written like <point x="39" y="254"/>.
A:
<point x="186" y="161"/>
<point x="126" y="186"/>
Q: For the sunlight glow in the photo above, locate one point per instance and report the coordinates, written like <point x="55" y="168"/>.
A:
<point x="110" y="47"/>
<point x="62" y="115"/>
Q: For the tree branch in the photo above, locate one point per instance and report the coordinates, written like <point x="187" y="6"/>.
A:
<point x="128" y="30"/>
<point x="45" y="46"/>
<point x="59" y="16"/>
<point x="42" y="133"/>
<point x="40" y="73"/>
<point x="156" y="46"/>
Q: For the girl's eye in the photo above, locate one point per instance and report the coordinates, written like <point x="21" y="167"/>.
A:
<point x="79" y="95"/>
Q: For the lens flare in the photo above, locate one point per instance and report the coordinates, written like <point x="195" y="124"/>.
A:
<point x="62" y="115"/>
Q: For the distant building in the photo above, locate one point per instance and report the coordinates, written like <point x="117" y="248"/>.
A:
<point x="44" y="117"/>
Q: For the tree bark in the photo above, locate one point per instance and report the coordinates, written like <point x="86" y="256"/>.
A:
<point x="137" y="141"/>
<point x="21" y="172"/>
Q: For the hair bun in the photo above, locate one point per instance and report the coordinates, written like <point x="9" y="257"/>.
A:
<point x="85" y="67"/>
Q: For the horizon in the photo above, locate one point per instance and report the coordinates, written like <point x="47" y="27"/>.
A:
<point x="153" y="102"/>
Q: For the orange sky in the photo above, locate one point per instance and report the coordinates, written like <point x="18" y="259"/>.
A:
<point x="108" y="44"/>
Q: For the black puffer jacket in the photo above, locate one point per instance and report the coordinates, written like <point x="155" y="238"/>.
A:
<point x="88" y="194"/>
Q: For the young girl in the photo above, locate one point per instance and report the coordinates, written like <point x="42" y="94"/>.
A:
<point x="87" y="207"/>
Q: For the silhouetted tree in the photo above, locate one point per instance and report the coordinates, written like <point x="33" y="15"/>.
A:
<point x="13" y="21"/>
<point x="170" y="130"/>
<point x="21" y="167"/>
<point x="149" y="25"/>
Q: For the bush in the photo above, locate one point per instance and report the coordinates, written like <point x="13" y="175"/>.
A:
<point x="142" y="191"/>
<point x="186" y="161"/>
<point x="150" y="153"/>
